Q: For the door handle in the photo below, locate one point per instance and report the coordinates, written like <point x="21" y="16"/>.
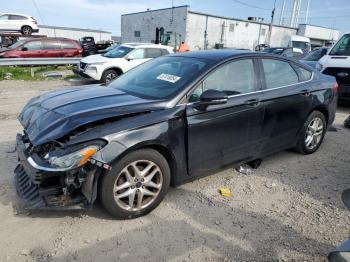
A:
<point x="305" y="92"/>
<point x="252" y="102"/>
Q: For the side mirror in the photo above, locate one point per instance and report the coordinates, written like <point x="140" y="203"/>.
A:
<point x="212" y="97"/>
<point x="24" y="49"/>
<point x="130" y="57"/>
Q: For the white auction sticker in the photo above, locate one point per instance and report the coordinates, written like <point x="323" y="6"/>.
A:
<point x="169" y="78"/>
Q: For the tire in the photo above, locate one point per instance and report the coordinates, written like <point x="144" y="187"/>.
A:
<point x="108" y="76"/>
<point x="117" y="201"/>
<point x="306" y="144"/>
<point x="27" y="30"/>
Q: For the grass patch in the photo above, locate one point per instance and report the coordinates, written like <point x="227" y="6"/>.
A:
<point x="24" y="72"/>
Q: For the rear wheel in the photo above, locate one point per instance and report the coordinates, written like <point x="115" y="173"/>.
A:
<point x="109" y="75"/>
<point x="136" y="184"/>
<point x="27" y="30"/>
<point x="312" y="133"/>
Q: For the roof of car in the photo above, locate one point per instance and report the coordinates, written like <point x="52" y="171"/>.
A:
<point x="214" y="54"/>
<point x="133" y="45"/>
<point x="15" y="14"/>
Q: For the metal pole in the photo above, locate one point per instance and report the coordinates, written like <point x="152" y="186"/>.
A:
<point x="307" y="11"/>
<point x="206" y="32"/>
<point x="271" y="23"/>
<point x="293" y="14"/>
<point x="282" y="12"/>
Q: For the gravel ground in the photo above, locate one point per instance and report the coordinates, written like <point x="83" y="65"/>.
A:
<point x="289" y="209"/>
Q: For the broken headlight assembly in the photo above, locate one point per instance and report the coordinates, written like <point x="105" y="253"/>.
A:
<point x="72" y="160"/>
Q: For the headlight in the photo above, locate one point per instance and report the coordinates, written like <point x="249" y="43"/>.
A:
<point x="73" y="160"/>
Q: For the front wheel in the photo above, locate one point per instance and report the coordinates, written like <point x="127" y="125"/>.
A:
<point x="109" y="76"/>
<point x="136" y="184"/>
<point x="312" y="133"/>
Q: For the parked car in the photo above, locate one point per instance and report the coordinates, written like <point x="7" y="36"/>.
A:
<point x="312" y="58"/>
<point x="294" y="52"/>
<point x="88" y="45"/>
<point x="43" y="47"/>
<point x="337" y="63"/>
<point x="18" y="23"/>
<point x="166" y="122"/>
<point x="119" y="60"/>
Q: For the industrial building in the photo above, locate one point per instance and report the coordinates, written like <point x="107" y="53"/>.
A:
<point x="206" y="31"/>
<point x="73" y="33"/>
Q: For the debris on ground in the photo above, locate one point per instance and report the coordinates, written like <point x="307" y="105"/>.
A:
<point x="8" y="76"/>
<point x="226" y="192"/>
<point x="244" y="169"/>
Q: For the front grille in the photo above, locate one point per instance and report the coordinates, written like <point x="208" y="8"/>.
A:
<point x="26" y="189"/>
<point x="83" y="65"/>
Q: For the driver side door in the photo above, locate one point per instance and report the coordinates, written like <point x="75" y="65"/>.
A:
<point x="135" y="58"/>
<point x="230" y="133"/>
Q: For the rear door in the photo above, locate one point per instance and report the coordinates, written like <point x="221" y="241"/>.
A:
<point x="225" y="134"/>
<point x="17" y="21"/>
<point x="69" y="49"/>
<point x="287" y="102"/>
<point x="52" y="48"/>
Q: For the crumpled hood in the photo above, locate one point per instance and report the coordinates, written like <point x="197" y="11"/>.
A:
<point x="55" y="114"/>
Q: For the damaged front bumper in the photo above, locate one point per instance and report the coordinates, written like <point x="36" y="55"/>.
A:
<point x="41" y="186"/>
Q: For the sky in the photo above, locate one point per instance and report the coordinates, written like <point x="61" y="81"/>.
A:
<point x="105" y="14"/>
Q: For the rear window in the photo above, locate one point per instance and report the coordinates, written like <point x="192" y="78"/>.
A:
<point x="68" y="45"/>
<point x="278" y="73"/>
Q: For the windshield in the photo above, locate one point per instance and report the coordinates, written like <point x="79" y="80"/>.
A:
<point x="301" y="44"/>
<point x="160" y="78"/>
<point x="342" y="47"/>
<point x="315" y="55"/>
<point x="17" y="44"/>
<point x="118" y="52"/>
<point x="276" y="51"/>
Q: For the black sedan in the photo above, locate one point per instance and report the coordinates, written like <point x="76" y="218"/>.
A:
<point x="166" y="122"/>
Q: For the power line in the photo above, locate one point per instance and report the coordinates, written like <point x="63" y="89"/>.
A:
<point x="37" y="9"/>
<point x="252" y="6"/>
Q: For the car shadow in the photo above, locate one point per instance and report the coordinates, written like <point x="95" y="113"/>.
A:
<point x="185" y="232"/>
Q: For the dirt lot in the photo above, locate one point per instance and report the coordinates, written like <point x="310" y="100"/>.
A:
<point x="287" y="210"/>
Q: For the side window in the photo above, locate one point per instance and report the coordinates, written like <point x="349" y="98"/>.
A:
<point x="51" y="45"/>
<point x="234" y="78"/>
<point x="17" y="17"/>
<point x="153" y="52"/>
<point x="138" y="54"/>
<point x="304" y="74"/>
<point x="68" y="45"/>
<point x="4" y="17"/>
<point x="278" y="73"/>
<point x="33" y="45"/>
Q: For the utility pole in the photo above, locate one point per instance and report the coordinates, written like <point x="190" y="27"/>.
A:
<point x="307" y="11"/>
<point x="271" y="23"/>
<point x="282" y="12"/>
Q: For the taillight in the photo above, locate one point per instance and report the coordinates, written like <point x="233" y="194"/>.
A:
<point x="335" y="87"/>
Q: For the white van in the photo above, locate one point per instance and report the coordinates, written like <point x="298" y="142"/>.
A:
<point x="298" y="41"/>
<point x="337" y="63"/>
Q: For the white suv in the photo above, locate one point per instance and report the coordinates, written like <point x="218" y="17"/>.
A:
<point x="119" y="60"/>
<point x="18" y="23"/>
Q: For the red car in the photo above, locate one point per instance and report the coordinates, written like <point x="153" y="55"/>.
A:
<point x="43" y="47"/>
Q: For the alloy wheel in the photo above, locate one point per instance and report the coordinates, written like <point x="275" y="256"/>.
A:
<point x="138" y="185"/>
<point x="110" y="77"/>
<point x="314" y="133"/>
<point x="27" y="30"/>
